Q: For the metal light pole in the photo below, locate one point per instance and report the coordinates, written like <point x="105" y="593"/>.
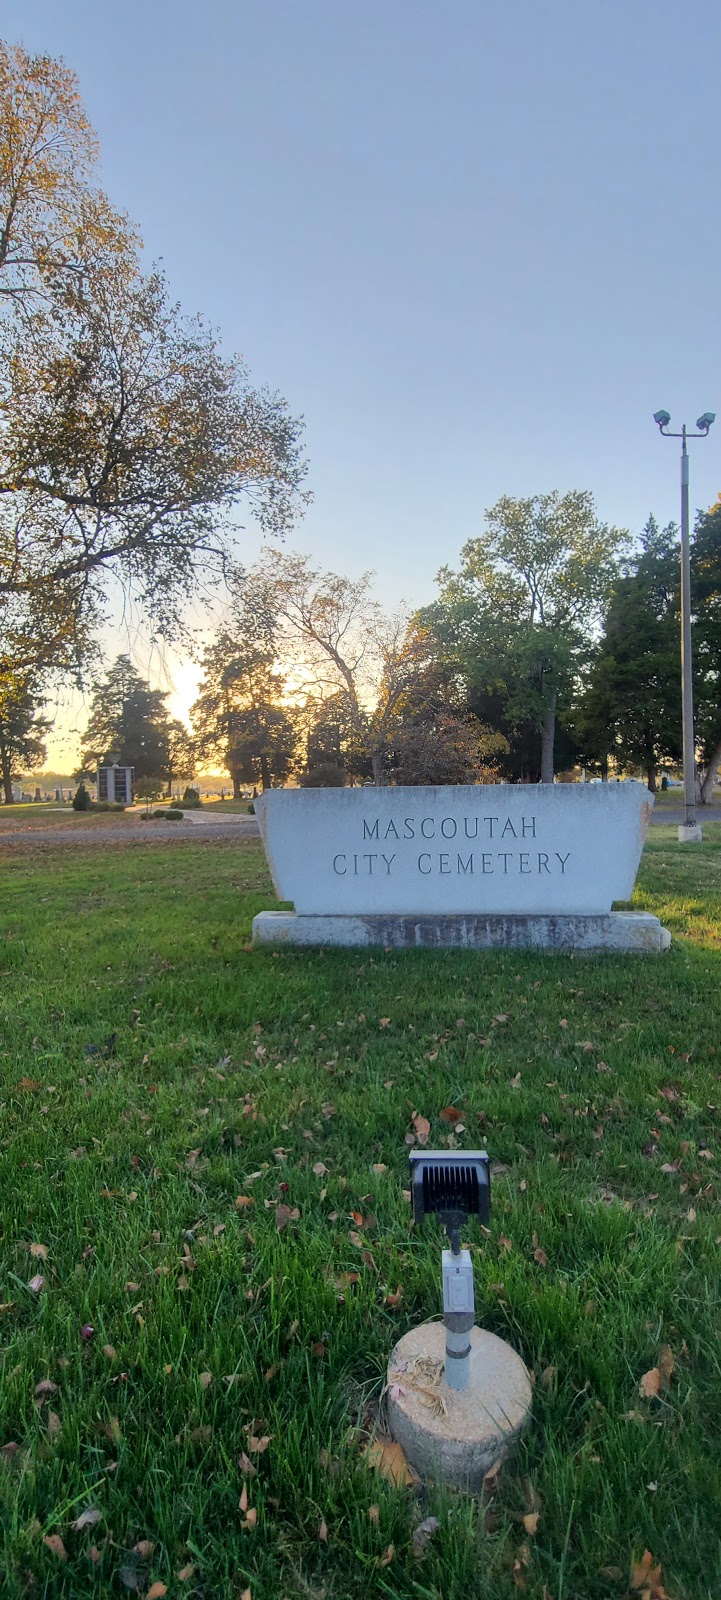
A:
<point x="690" y="831"/>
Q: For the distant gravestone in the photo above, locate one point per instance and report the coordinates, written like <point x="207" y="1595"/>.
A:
<point x="115" y="784"/>
<point x="495" y="866"/>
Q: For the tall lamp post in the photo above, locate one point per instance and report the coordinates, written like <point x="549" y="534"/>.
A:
<point x="689" y="831"/>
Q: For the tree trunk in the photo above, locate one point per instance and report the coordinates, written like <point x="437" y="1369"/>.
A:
<point x="7" y="777"/>
<point x="236" y="785"/>
<point x="709" y="777"/>
<point x="170" y="786"/>
<point x="548" y="734"/>
<point x="604" y="770"/>
<point x="265" y="772"/>
<point x="379" y="776"/>
<point x="651" y="777"/>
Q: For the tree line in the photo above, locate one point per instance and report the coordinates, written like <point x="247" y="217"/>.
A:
<point x="129" y="440"/>
<point x="552" y="644"/>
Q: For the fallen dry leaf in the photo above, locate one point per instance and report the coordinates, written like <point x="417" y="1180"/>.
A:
<point x="246" y="1465"/>
<point x="144" y="1548"/>
<point x="540" y="1256"/>
<point x="54" y="1424"/>
<point x="650" y="1384"/>
<point x="55" y="1543"/>
<point x="109" y="1351"/>
<point x="44" y="1387"/>
<point x="156" y="1591"/>
<point x="387" y="1457"/>
<point x="385" y="1022"/>
<point x="666" y="1364"/>
<point x="285" y="1214"/>
<point x="547" y="1377"/>
<point x="422" y="1127"/>
<point x="451" y="1114"/>
<point x="259" y="1445"/>
<point x="422" y="1534"/>
<point x="187" y="1572"/>
<point x="323" y="1531"/>
<point x="40" y="1251"/>
<point x="394" y="1300"/>
<point x="531" y="1521"/>
<point x="244" y="1200"/>
<point x="37" y="1283"/>
<point x="373" y="1513"/>
<point x="205" y="1379"/>
<point x="320" y="1169"/>
<point x="646" y="1578"/>
<point x="387" y="1557"/>
<point x="87" y="1519"/>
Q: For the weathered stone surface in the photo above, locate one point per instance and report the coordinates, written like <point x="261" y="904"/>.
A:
<point x="618" y="930"/>
<point x="457" y="1442"/>
<point x="501" y="849"/>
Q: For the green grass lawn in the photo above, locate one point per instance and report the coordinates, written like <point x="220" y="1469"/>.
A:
<point x="238" y="806"/>
<point x="154" y="1068"/>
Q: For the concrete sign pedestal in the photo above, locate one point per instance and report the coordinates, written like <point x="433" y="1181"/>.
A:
<point x="619" y="930"/>
<point x="454" y="1436"/>
<point x="477" y="867"/>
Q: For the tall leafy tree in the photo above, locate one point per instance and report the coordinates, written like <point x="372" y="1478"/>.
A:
<point x="706" y="603"/>
<point x="128" y="438"/>
<point x="518" y="617"/>
<point x="240" y="718"/>
<point x="180" y="753"/>
<point x="342" y="644"/>
<point x="23" y="730"/>
<point x="631" y="706"/>
<point x="129" y="721"/>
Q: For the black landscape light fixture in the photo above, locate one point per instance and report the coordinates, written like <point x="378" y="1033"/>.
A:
<point x="453" y="1187"/>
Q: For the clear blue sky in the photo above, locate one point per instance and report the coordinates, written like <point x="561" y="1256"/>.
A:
<point x="475" y="243"/>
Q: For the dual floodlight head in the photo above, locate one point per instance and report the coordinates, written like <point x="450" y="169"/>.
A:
<point x="662" y="419"/>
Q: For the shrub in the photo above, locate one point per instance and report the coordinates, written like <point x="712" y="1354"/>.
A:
<point x="170" y="814"/>
<point x="327" y="775"/>
<point x="81" y="799"/>
<point x="251" y="809"/>
<point x="192" y="800"/>
<point x="106" y="805"/>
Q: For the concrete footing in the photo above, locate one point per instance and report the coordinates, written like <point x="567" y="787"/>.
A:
<point x="454" y="1436"/>
<point x="625" y="931"/>
<point x="690" y="833"/>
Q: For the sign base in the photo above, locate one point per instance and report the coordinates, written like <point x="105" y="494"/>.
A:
<point x="624" y="931"/>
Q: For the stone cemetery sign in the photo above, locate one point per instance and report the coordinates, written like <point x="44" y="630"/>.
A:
<point x="501" y="864"/>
